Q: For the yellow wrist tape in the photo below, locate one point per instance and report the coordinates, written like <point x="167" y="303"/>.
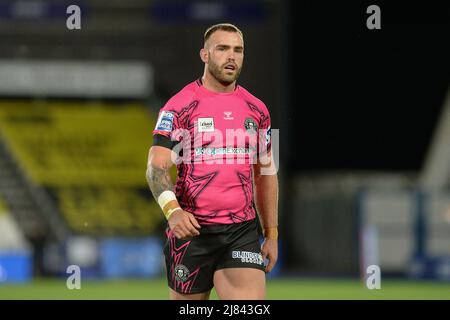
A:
<point x="170" y="211"/>
<point x="271" y="233"/>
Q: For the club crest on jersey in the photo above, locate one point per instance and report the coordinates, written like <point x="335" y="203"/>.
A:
<point x="268" y="135"/>
<point x="165" y="121"/>
<point x="181" y="272"/>
<point x="205" y="124"/>
<point x="250" y="125"/>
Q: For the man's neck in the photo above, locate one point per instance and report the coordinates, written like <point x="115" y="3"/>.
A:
<point x="211" y="83"/>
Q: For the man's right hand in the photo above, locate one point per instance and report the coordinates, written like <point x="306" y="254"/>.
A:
<point x="183" y="224"/>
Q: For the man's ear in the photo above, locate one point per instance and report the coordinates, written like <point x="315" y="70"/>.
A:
<point x="204" y="55"/>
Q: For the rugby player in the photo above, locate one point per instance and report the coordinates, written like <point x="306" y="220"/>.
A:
<point x="226" y="194"/>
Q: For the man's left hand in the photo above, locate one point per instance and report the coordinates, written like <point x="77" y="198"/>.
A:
<point x="269" y="250"/>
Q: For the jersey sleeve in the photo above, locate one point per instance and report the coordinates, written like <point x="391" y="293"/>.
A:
<point x="166" y="125"/>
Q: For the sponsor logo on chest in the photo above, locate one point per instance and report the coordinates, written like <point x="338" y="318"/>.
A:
<point x="205" y="124"/>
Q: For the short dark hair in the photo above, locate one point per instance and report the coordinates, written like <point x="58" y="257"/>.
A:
<point x="221" y="26"/>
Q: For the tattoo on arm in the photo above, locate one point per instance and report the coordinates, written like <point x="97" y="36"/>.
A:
<point x="158" y="180"/>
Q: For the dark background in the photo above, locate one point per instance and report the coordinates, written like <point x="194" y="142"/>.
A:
<point x="360" y="98"/>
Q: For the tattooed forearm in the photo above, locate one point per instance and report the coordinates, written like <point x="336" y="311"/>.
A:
<point x="158" y="180"/>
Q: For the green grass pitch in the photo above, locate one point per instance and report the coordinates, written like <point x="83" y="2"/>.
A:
<point x="279" y="288"/>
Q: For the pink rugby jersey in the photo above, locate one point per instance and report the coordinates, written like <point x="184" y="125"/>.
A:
<point x="217" y="137"/>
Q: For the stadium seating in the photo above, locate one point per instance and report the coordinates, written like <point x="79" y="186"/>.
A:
<point x="91" y="158"/>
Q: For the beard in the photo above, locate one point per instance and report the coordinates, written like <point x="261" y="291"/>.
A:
<point x="220" y="74"/>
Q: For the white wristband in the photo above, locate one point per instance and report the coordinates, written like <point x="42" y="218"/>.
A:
<point x="165" y="197"/>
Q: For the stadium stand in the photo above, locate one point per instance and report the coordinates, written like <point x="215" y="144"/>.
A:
<point x="90" y="159"/>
